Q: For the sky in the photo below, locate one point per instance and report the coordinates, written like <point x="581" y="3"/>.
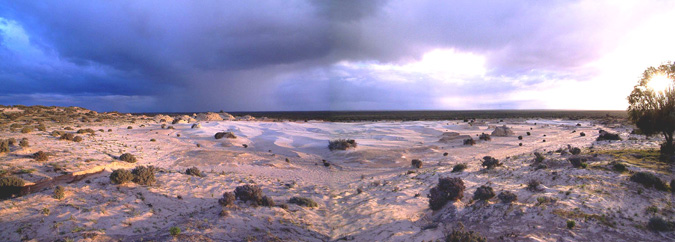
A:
<point x="291" y="55"/>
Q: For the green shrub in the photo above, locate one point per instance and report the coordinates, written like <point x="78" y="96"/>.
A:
<point x="59" y="193"/>
<point x="121" y="176"/>
<point x="128" y="158"/>
<point x="538" y="157"/>
<point x="194" y="171"/>
<point x="483" y="193"/>
<point x="459" y="167"/>
<point x="649" y="180"/>
<point x="10" y="186"/>
<point x="341" y="144"/>
<point x="303" y="201"/>
<point x="447" y="189"/>
<point x="174" y="231"/>
<point x="507" y="197"/>
<point x="144" y="175"/>
<point x="416" y="163"/>
<point x="571" y="224"/>
<point x="40" y="156"/>
<point x="618" y="166"/>
<point x="489" y="162"/>
<point x="578" y="162"/>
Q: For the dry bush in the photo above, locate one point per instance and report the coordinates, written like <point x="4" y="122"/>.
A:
<point x="341" y="144"/>
<point x="485" y="137"/>
<point x="578" y="162"/>
<point x="227" y="200"/>
<point x="303" y="201"/>
<point x="40" y="156"/>
<point x="507" y="197"/>
<point x="448" y="189"/>
<point x="24" y="143"/>
<point x="128" y="158"/>
<point x="459" y="167"/>
<point x="649" y="180"/>
<point x="194" y="171"/>
<point x="460" y="235"/>
<point x="144" y="175"/>
<point x="416" y="163"/>
<point x="533" y="185"/>
<point x="26" y="130"/>
<point x="67" y="136"/>
<point x="59" y="193"/>
<point x="469" y="141"/>
<point x="249" y="192"/>
<point x="489" y="162"/>
<point x="483" y="193"/>
<point x="77" y="139"/>
<point x="4" y="146"/>
<point x="121" y="176"/>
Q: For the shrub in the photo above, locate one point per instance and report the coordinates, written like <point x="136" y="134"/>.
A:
<point x="483" y="193"/>
<point x="40" y="156"/>
<point x="11" y="141"/>
<point x="448" y="189"/>
<point x="10" y="186"/>
<point x="582" y="134"/>
<point x="194" y="171"/>
<point x="507" y="197"/>
<point x="303" y="201"/>
<point x="26" y="130"/>
<point x="24" y="143"/>
<point x="109" y="130"/>
<point x="469" y="141"/>
<point x="538" y="157"/>
<point x="660" y="224"/>
<point x="571" y="224"/>
<point x="528" y="133"/>
<point x="459" y="167"/>
<point x="489" y="162"/>
<point x="59" y="193"/>
<point x="249" y="193"/>
<point x="267" y="201"/>
<point x="4" y="146"/>
<point x="460" y="235"/>
<point x="578" y="162"/>
<point x="129" y="127"/>
<point x="121" y="176"/>
<point x="57" y="133"/>
<point x="227" y="200"/>
<point x="485" y="137"/>
<point x="174" y="231"/>
<point x="649" y="180"/>
<point x="86" y="131"/>
<point x="128" y="158"/>
<point x="228" y="135"/>
<point x="575" y="151"/>
<point x="416" y="163"/>
<point x="42" y="127"/>
<point x="604" y="135"/>
<point x="144" y="175"/>
<point x="520" y="137"/>
<point x="77" y="139"/>
<point x="520" y="144"/>
<point x="620" y="167"/>
<point x="533" y="185"/>
<point x="67" y="136"/>
<point x="341" y="144"/>
<point x="68" y="128"/>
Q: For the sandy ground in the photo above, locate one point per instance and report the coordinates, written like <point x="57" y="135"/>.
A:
<point x="393" y="205"/>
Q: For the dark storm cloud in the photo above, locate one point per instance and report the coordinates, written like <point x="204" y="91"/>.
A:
<point x="235" y="55"/>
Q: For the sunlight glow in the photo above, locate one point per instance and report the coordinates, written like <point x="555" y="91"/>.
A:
<point x="660" y="83"/>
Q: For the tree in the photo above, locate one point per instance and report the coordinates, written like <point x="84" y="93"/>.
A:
<point x="653" y="110"/>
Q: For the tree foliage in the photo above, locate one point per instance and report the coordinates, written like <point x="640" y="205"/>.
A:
<point x="653" y="111"/>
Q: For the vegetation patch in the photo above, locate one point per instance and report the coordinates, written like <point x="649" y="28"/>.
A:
<point x="228" y="135"/>
<point x="303" y="201"/>
<point x="341" y="144"/>
<point x="459" y="167"/>
<point x="10" y="186"/>
<point x="128" y="158"/>
<point x="447" y="189"/>
<point x="144" y="175"/>
<point x="576" y="214"/>
<point x="121" y="176"/>
<point x="649" y="180"/>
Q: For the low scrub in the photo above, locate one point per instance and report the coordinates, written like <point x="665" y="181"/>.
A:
<point x="649" y="180"/>
<point x="128" y="158"/>
<point x="341" y="144"/>
<point x="507" y="197"/>
<point x="10" y="186"/>
<point x="121" y="176"/>
<point x="485" y="137"/>
<point x="59" y="193"/>
<point x="227" y="200"/>
<point x="533" y="185"/>
<point x="461" y="235"/>
<point x="578" y="162"/>
<point x="604" y="135"/>
<point x="447" y="189"/>
<point x="144" y="175"/>
<point x="86" y="131"/>
<point x="660" y="224"/>
<point x="469" y="141"/>
<point x="252" y="193"/>
<point x="459" y="167"/>
<point x="303" y="201"/>
<point x="490" y="162"/>
<point x="228" y="135"/>
<point x="67" y="136"/>
<point x="416" y="163"/>
<point x="24" y="143"/>
<point x="483" y="193"/>
<point x="4" y="146"/>
<point x="40" y="156"/>
<point x="194" y="171"/>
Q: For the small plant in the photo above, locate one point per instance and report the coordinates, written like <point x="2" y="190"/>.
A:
<point x="649" y="180"/>
<point x="469" y="141"/>
<point x="77" y="139"/>
<point x="129" y="127"/>
<point x="604" y="135"/>
<point x="571" y="224"/>
<point x="267" y="201"/>
<point x="538" y="157"/>
<point x="26" y="130"/>
<point x="507" y="197"/>
<point x="575" y="150"/>
<point x="194" y="171"/>
<point x="416" y="163"/>
<point x="11" y="141"/>
<point x="485" y="137"/>
<point x="459" y="167"/>
<point x="67" y="136"/>
<point x="620" y="167"/>
<point x="447" y="189"/>
<point x="660" y="224"/>
<point x="24" y="143"/>
<point x="528" y="133"/>
<point x="460" y="235"/>
<point x="153" y="140"/>
<point x="121" y="176"/>
<point x="10" y="186"/>
<point x="249" y="193"/>
<point x="128" y="158"/>
<point x="303" y="201"/>
<point x="57" y="133"/>
<point x="489" y="162"/>
<point x="59" y="193"/>
<point x="174" y="231"/>
<point x="86" y="131"/>
<point x="4" y="146"/>
<point x="228" y="135"/>
<point x="578" y="162"/>
<point x="582" y="134"/>
<point x="40" y="156"/>
<point x="533" y="185"/>
<point x="341" y="144"/>
<point x="520" y="137"/>
<point x="227" y="200"/>
<point x="144" y="175"/>
<point x="483" y="193"/>
<point x="42" y="127"/>
<point x="45" y="211"/>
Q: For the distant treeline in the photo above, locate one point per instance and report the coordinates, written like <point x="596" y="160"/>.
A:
<point x="348" y="116"/>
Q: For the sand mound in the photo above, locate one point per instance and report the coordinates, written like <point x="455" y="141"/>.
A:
<point x="209" y="117"/>
<point x="163" y="118"/>
<point x="226" y="116"/>
<point x="502" y="131"/>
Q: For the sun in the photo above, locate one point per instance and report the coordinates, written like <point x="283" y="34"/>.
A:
<point x="660" y="83"/>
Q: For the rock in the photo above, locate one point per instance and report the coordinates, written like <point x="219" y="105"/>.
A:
<point x="209" y="117"/>
<point x="502" y="131"/>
